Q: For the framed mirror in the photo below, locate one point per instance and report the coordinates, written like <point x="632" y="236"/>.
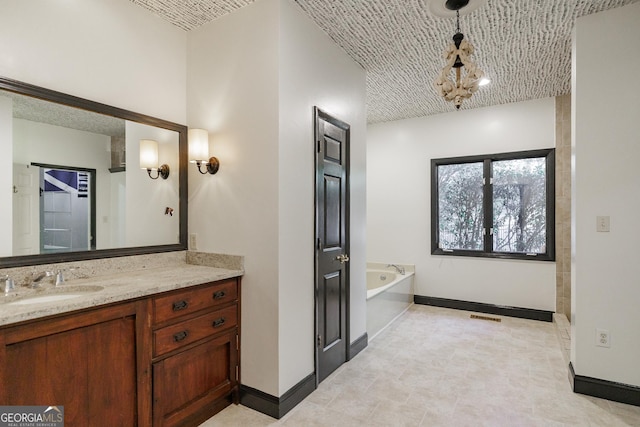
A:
<point x="73" y="187"/>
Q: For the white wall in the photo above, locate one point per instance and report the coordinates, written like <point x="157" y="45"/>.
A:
<point x="399" y="200"/>
<point x="6" y="176"/>
<point x="606" y="180"/>
<point x="146" y="198"/>
<point x="118" y="212"/>
<point x="254" y="76"/>
<point x="113" y="52"/>
<point x="233" y="93"/>
<point x="314" y="71"/>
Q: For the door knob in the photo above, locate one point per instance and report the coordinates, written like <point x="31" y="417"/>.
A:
<point x="342" y="258"/>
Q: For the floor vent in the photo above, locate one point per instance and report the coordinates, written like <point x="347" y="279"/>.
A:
<point x="493" y="319"/>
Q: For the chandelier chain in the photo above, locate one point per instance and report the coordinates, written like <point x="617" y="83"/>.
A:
<point x="458" y="20"/>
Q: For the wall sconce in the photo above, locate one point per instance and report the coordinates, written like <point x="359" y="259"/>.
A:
<point x="149" y="159"/>
<point x="199" y="151"/>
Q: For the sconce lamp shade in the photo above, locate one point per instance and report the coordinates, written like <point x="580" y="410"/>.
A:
<point x="148" y="154"/>
<point x="198" y="145"/>
<point x="199" y="152"/>
<point x="149" y="159"/>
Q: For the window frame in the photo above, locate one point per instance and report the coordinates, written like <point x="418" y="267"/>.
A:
<point x="487" y="251"/>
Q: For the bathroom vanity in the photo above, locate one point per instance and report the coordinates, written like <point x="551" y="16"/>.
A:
<point x="158" y="347"/>
<point x="142" y="332"/>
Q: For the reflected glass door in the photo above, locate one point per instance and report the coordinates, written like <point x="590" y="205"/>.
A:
<point x="66" y="214"/>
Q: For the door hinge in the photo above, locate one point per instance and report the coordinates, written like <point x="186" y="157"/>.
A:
<point x="318" y="243"/>
<point x="319" y="340"/>
<point x="319" y="146"/>
<point x="237" y="342"/>
<point x="237" y="372"/>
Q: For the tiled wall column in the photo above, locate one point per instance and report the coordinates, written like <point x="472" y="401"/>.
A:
<point x="563" y="205"/>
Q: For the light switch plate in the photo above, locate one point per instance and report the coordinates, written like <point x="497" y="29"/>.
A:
<point x="603" y="224"/>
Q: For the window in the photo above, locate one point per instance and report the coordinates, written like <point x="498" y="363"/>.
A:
<point x="499" y="206"/>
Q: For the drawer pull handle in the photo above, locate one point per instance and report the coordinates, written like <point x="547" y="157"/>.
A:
<point x="218" y="322"/>
<point x="219" y="295"/>
<point x="180" y="305"/>
<point x="180" y="336"/>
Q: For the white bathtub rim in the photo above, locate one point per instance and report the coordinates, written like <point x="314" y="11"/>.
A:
<point x="408" y="268"/>
<point x="372" y="293"/>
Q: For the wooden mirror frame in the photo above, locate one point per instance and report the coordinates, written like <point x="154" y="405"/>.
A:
<point x="84" y="104"/>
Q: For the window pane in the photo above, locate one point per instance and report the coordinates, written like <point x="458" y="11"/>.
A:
<point x="460" y="206"/>
<point x="519" y="206"/>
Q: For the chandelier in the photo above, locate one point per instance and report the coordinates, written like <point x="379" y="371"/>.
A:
<point x="458" y="56"/>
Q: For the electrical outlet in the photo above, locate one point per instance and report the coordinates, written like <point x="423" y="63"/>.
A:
<point x="603" y="339"/>
<point x="193" y="242"/>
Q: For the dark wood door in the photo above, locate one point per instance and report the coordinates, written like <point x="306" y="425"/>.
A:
<point x="332" y="245"/>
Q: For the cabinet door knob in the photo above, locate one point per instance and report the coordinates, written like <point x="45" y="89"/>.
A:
<point x="219" y="295"/>
<point x="180" y="336"/>
<point x="180" y="305"/>
<point x="218" y="322"/>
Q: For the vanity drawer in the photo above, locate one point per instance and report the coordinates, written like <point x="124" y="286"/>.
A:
<point x="189" y="301"/>
<point x="175" y="336"/>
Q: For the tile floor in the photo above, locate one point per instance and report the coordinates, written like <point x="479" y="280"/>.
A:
<point x="438" y="367"/>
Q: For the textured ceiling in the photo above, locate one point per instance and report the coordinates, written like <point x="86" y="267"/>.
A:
<point x="523" y="46"/>
<point x="37" y="110"/>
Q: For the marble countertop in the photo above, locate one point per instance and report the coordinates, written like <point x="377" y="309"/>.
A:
<point x="115" y="287"/>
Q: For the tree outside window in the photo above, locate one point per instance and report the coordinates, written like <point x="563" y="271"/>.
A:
<point x="495" y="206"/>
<point x="460" y="205"/>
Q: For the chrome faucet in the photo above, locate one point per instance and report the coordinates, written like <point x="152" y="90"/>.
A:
<point x="400" y="269"/>
<point x="9" y="285"/>
<point x="59" y="278"/>
<point x="35" y="282"/>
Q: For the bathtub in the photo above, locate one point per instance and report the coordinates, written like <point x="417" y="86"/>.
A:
<point x="389" y="294"/>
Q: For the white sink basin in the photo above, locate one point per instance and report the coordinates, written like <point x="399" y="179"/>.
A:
<point x="56" y="295"/>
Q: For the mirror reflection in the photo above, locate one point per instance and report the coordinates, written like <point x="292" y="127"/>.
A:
<point x="77" y="183"/>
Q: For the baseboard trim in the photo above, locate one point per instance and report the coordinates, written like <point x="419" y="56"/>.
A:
<point x="277" y="407"/>
<point x="260" y="401"/>
<point x="502" y="310"/>
<point x="358" y="345"/>
<point x="604" y="389"/>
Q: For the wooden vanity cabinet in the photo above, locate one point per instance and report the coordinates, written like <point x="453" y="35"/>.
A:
<point x="195" y="353"/>
<point x="165" y="360"/>
<point x="92" y="363"/>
